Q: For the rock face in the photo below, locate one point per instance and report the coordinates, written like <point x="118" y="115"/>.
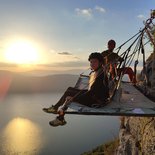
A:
<point x="146" y="79"/>
<point x="137" y="136"/>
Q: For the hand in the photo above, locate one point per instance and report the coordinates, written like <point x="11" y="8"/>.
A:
<point x="69" y="98"/>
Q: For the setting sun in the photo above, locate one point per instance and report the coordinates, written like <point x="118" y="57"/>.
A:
<point x="22" y="52"/>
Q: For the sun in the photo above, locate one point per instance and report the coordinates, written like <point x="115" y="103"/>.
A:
<point x="21" y="52"/>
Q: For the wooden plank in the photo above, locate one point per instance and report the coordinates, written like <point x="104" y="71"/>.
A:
<point x="132" y="103"/>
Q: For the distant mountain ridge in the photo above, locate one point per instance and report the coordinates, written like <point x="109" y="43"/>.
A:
<point x="40" y="72"/>
<point x="21" y="83"/>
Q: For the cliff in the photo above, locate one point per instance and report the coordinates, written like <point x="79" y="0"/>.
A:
<point x="137" y="136"/>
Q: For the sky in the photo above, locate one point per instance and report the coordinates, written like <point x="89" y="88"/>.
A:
<point x="64" y="33"/>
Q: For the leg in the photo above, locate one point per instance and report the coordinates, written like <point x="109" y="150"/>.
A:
<point x="85" y="99"/>
<point x="129" y="71"/>
<point x="69" y="92"/>
<point x="60" y="120"/>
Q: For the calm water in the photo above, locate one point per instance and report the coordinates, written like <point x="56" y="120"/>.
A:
<point x="24" y="128"/>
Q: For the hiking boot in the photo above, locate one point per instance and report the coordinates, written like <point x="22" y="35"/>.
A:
<point x="57" y="122"/>
<point x="51" y="109"/>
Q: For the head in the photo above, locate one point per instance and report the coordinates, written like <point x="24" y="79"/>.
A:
<point x="111" y="45"/>
<point x="96" y="60"/>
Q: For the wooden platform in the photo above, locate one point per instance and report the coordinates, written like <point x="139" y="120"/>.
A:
<point x="132" y="103"/>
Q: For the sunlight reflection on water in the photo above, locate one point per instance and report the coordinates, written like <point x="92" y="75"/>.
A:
<point x="21" y="136"/>
<point x="25" y="129"/>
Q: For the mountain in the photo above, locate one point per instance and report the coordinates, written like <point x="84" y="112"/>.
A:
<point x="23" y="83"/>
<point x="39" y="72"/>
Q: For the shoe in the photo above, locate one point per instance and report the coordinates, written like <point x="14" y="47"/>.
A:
<point x="57" y="122"/>
<point x="51" y="109"/>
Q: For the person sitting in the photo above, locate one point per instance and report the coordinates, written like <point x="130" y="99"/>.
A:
<point x="111" y="59"/>
<point x="97" y="93"/>
<point x="109" y="54"/>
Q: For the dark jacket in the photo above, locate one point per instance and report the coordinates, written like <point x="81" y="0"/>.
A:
<point x="98" y="91"/>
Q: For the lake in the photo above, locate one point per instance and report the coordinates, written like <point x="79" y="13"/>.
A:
<point x="25" y="129"/>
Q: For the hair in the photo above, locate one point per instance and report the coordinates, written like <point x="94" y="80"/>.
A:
<point x="111" y="42"/>
<point x="97" y="56"/>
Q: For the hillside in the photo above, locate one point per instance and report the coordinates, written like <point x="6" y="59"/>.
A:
<point x="20" y="83"/>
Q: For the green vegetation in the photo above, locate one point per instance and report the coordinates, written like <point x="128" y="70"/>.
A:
<point x="108" y="148"/>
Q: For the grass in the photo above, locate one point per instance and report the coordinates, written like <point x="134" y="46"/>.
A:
<point x="108" y="148"/>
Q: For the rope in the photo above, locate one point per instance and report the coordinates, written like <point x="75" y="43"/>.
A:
<point x="125" y="55"/>
<point x="70" y="100"/>
<point x="136" y="62"/>
<point x="137" y="48"/>
<point x="126" y="42"/>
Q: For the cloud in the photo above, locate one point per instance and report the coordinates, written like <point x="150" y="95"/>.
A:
<point x="76" y="57"/>
<point x="87" y="13"/>
<point x="56" y="56"/>
<point x="100" y="9"/>
<point x="64" y="53"/>
<point x="140" y="16"/>
<point x="59" y="52"/>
